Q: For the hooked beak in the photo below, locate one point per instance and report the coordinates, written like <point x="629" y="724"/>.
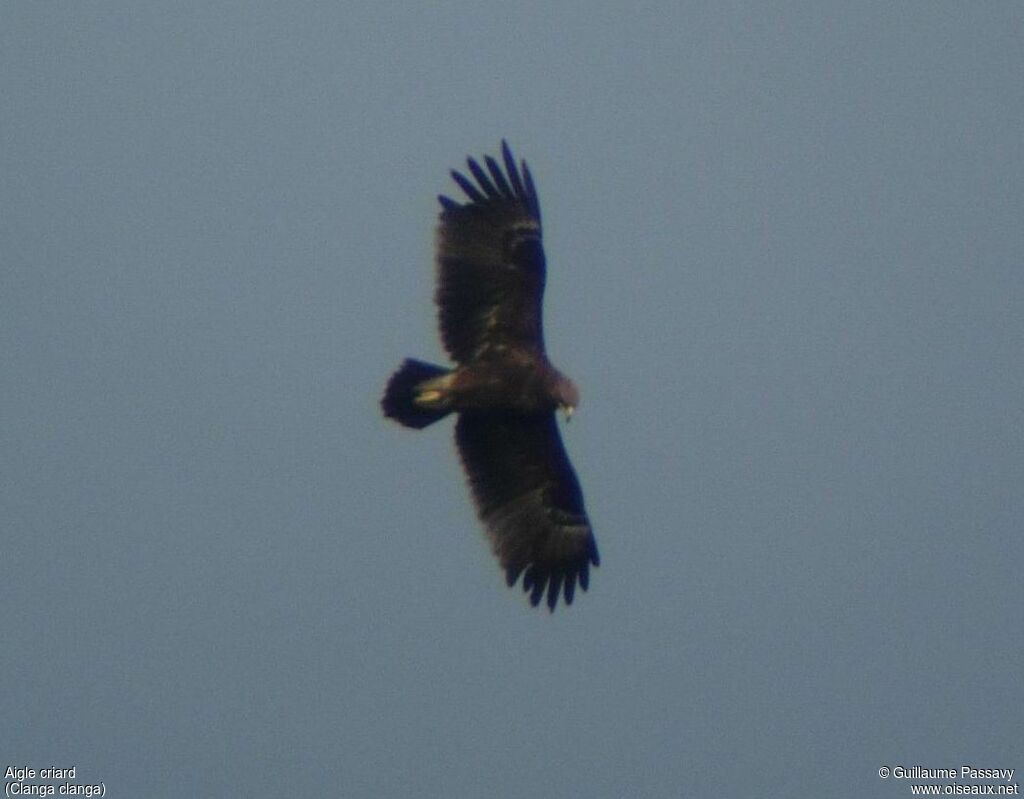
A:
<point x="568" y="410"/>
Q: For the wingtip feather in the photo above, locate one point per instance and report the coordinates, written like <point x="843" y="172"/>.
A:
<point x="494" y="184"/>
<point x="467" y="186"/>
<point x="499" y="177"/>
<point x="512" y="169"/>
<point x="482" y="179"/>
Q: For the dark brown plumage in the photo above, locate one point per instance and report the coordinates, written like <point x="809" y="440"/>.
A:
<point x="490" y="289"/>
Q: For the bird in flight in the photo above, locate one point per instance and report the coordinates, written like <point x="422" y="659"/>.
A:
<point x="490" y="288"/>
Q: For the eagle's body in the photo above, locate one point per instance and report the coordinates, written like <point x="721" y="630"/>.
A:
<point x="490" y="287"/>
<point x="501" y="382"/>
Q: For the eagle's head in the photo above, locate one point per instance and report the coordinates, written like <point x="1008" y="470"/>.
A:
<point x="566" y="395"/>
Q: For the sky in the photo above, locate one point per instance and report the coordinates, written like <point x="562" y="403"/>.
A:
<point x="785" y="269"/>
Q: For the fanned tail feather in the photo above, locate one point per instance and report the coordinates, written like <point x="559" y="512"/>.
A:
<point x="399" y="402"/>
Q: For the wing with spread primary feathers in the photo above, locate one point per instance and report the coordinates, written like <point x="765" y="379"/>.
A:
<point x="490" y="260"/>
<point x="530" y="501"/>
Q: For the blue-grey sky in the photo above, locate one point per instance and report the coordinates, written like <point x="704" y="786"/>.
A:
<point x="785" y="268"/>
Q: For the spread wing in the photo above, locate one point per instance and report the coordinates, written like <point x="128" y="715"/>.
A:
<point x="490" y="262"/>
<point x="529" y="500"/>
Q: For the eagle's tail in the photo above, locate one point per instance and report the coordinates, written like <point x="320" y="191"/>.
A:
<point x="399" y="401"/>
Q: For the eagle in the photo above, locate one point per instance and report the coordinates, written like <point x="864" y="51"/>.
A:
<point x="490" y="288"/>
